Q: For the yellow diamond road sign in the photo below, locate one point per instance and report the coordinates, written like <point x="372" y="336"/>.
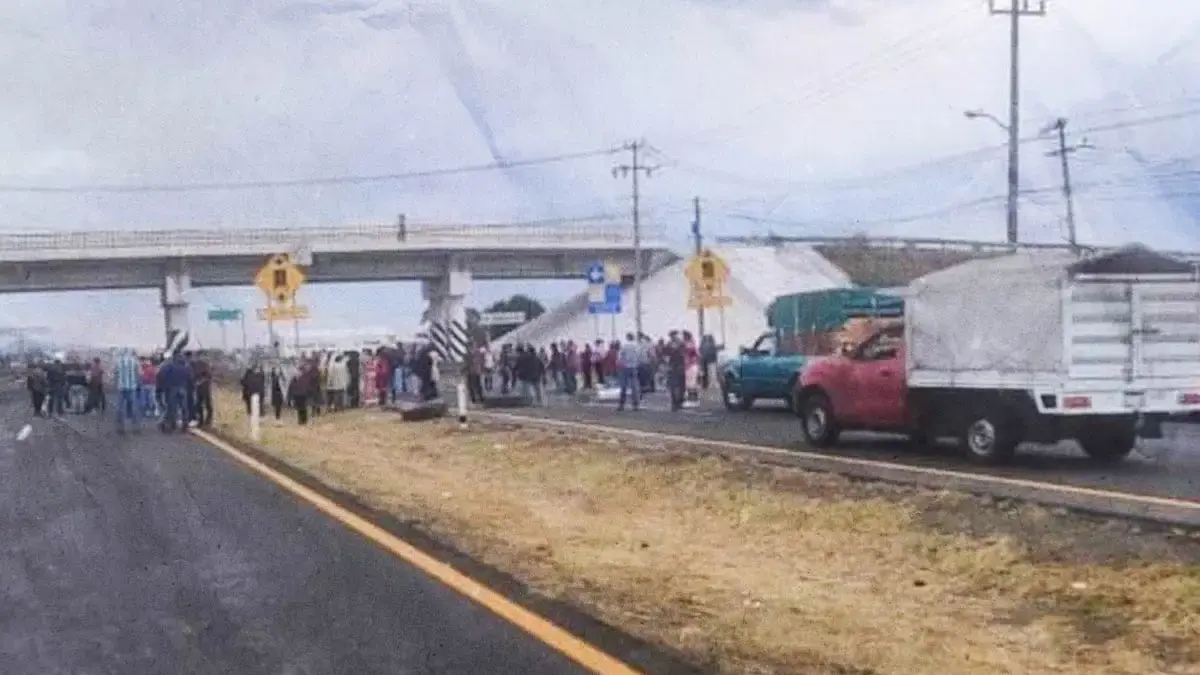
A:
<point x="707" y="274"/>
<point x="280" y="279"/>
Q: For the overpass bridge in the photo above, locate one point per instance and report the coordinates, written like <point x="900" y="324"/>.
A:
<point x="445" y="258"/>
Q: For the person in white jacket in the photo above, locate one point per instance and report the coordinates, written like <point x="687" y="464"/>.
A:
<point x="339" y="380"/>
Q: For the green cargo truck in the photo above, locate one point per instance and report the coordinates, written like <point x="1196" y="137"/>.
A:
<point x="803" y="325"/>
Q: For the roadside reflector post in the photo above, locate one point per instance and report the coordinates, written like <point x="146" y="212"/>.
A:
<point x="460" y="391"/>
<point x="255" y="417"/>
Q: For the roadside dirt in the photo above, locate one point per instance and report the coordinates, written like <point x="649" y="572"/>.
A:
<point x="758" y="569"/>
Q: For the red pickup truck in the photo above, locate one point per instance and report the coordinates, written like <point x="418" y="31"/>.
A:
<point x="862" y="390"/>
<point x="866" y="389"/>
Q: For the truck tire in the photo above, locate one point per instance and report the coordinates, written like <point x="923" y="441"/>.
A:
<point x="1109" y="443"/>
<point x="733" y="400"/>
<point x="820" y="426"/>
<point x="989" y="436"/>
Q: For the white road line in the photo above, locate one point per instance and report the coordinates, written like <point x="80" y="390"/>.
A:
<point x="1104" y="501"/>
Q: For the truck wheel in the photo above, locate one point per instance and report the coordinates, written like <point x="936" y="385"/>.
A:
<point x="1109" y="445"/>
<point x="733" y="400"/>
<point x="989" y="437"/>
<point x="820" y="426"/>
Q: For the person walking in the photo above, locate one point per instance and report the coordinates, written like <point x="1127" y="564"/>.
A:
<point x="629" y="360"/>
<point x="528" y="371"/>
<point x="37" y="384"/>
<point x="254" y="382"/>
<point x="128" y="376"/>
<point x="202" y="386"/>
<point x="279" y="388"/>
<point x="676" y="358"/>
<point x="303" y="387"/>
<point x="474" y="366"/>
<point x="148" y="393"/>
<point x="175" y="380"/>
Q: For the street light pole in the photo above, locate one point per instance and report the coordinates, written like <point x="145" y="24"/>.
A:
<point x="1015" y="10"/>
<point x="635" y="168"/>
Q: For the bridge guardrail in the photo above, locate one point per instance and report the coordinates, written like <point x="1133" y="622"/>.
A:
<point x="315" y="236"/>
<point x="927" y="244"/>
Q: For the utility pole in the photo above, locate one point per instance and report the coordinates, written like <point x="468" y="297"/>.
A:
<point x="1063" y="153"/>
<point x="1015" y="10"/>
<point x="634" y="168"/>
<point x="401" y="229"/>
<point x="699" y="239"/>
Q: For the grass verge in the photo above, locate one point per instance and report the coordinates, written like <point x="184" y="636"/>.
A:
<point x="753" y="569"/>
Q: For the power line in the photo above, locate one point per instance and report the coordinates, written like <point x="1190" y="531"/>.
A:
<point x="304" y="182"/>
<point x="851" y="184"/>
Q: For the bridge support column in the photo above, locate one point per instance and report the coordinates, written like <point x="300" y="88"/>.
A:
<point x="176" y="284"/>
<point x="448" y="311"/>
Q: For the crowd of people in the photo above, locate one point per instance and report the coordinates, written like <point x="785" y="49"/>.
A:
<point x="330" y="381"/>
<point x="174" y="391"/>
<point x="637" y="366"/>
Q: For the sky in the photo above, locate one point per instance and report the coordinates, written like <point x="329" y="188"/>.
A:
<point x="795" y="117"/>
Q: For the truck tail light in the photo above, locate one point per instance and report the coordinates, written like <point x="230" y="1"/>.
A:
<point x="1190" y="398"/>
<point x="1077" y="402"/>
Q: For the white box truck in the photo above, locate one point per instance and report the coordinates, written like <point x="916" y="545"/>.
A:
<point x="1035" y="346"/>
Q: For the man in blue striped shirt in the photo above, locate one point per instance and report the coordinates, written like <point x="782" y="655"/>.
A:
<point x="127" y="374"/>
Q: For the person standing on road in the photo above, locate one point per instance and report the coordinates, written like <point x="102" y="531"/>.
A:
<point x="383" y="377"/>
<point x="175" y="380"/>
<point x="202" y="382"/>
<point x="676" y="358"/>
<point x="708" y="359"/>
<point x="127" y="374"/>
<point x="38" y="385"/>
<point x="96" y="400"/>
<point x="473" y="366"/>
<point x="629" y="360"/>
<point x="279" y="389"/>
<point x="56" y="388"/>
<point x="148" y="393"/>
<point x="529" y="371"/>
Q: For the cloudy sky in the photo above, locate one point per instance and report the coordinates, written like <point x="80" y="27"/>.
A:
<point x="792" y="116"/>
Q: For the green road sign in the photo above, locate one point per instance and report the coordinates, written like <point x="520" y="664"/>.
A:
<point x="224" y="314"/>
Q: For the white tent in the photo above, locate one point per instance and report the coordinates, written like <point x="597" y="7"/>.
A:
<point x="758" y="275"/>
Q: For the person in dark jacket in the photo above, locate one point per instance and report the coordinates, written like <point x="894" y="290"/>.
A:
<point x="422" y="367"/>
<point x="278" y="391"/>
<point x="202" y="385"/>
<point x="37" y="384"/>
<point x="56" y="388"/>
<point x="176" y="379"/>
<point x="254" y="382"/>
<point x="354" y="388"/>
<point x="528" y="371"/>
<point x="676" y="356"/>
<point x="303" y="387"/>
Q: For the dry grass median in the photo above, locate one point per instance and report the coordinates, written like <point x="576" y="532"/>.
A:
<point x="754" y="569"/>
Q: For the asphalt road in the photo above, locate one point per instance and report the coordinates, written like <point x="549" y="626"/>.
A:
<point x="154" y="554"/>
<point x="1164" y="468"/>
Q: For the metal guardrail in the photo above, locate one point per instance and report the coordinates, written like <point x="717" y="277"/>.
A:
<point x="925" y="244"/>
<point x="413" y="234"/>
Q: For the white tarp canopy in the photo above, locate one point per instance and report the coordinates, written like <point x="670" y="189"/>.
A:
<point x="999" y="314"/>
<point x="1004" y="314"/>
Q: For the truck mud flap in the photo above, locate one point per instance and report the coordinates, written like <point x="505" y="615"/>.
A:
<point x="1150" y="426"/>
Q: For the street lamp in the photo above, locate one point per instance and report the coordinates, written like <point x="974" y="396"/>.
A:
<point x="1013" y="166"/>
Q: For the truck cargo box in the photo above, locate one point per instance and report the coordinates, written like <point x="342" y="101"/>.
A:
<point x="1123" y="321"/>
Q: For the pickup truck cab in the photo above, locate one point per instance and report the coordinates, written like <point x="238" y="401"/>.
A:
<point x="760" y="371"/>
<point x="862" y="390"/>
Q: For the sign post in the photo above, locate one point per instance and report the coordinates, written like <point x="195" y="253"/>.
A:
<point x="280" y="279"/>
<point x="708" y="276"/>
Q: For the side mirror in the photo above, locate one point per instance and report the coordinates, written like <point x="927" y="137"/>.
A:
<point x="744" y="351"/>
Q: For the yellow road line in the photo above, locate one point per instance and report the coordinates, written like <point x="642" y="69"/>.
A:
<point x="544" y="630"/>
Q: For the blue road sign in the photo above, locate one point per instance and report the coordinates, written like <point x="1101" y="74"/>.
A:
<point x="595" y="273"/>
<point x="603" y="298"/>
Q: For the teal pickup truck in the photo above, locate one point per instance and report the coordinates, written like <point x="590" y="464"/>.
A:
<point x="804" y="325"/>
<point x="760" y="371"/>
